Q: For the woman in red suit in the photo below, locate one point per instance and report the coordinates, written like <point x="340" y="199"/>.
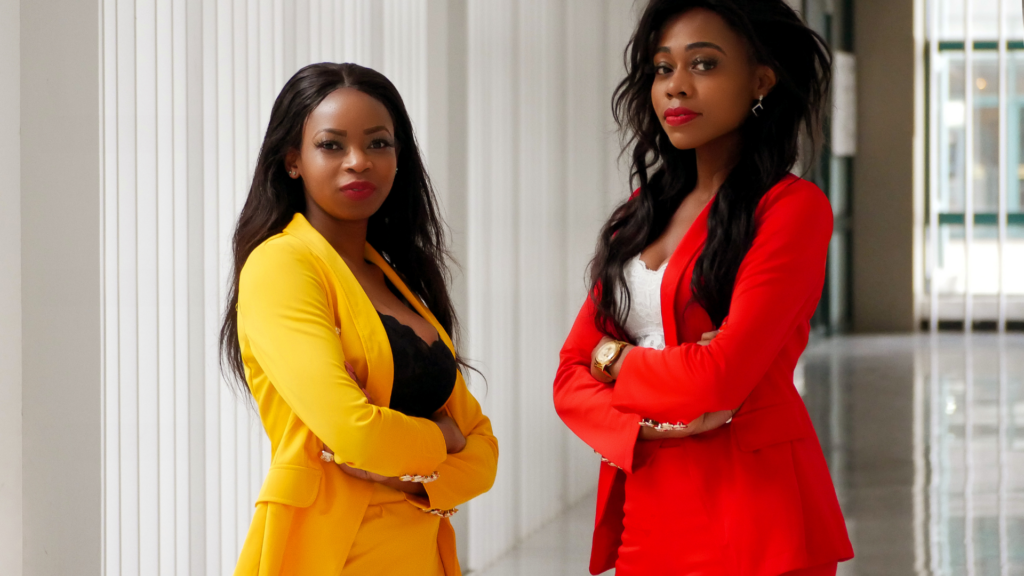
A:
<point x="679" y="367"/>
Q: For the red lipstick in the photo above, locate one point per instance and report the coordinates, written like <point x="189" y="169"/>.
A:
<point x="679" y="116"/>
<point x="358" y="190"/>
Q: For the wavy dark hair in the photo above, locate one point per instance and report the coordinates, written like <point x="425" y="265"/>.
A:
<point x="802" y="63"/>
<point x="407" y="229"/>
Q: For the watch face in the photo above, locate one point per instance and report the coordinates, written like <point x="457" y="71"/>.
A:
<point x="607" y="352"/>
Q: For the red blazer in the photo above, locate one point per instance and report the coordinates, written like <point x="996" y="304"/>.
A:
<point x="777" y="505"/>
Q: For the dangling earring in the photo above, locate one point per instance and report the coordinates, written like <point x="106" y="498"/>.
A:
<point x="757" y="106"/>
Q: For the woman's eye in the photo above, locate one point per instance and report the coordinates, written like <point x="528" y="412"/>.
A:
<point x="662" y="69"/>
<point x="329" y="145"/>
<point x="704" y="64"/>
<point x="380" y="143"/>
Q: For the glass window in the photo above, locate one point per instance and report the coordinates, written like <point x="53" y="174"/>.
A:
<point x="984" y="263"/>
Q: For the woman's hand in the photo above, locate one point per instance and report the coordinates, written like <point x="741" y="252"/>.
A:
<point x="707" y="337"/>
<point x="454" y="440"/>
<point x="357" y="473"/>
<point x="362" y="387"/>
<point x="703" y="423"/>
<point x="652" y="434"/>
<point x="395" y="483"/>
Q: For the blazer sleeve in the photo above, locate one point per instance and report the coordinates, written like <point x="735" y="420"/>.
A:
<point x="781" y="275"/>
<point x="585" y="404"/>
<point x="471" y="472"/>
<point x="289" y="328"/>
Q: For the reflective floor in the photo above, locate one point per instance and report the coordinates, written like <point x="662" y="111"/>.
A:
<point x="925" y="440"/>
<point x="562" y="547"/>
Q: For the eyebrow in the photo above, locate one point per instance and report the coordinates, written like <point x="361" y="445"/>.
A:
<point x="344" y="133"/>
<point x="694" y="46"/>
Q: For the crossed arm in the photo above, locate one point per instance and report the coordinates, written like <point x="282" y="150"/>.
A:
<point x="703" y="423"/>
<point x="583" y="399"/>
<point x="470" y="467"/>
<point x="454" y="441"/>
<point x="778" y="282"/>
<point x="287" y="327"/>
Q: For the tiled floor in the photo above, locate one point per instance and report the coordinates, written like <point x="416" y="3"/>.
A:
<point x="925" y="440"/>
<point x="562" y="547"/>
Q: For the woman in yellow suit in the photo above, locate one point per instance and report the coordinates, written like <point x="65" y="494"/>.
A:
<point x="339" y="322"/>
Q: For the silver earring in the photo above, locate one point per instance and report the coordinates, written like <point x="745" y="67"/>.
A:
<point x="291" y="173"/>
<point x="757" y="106"/>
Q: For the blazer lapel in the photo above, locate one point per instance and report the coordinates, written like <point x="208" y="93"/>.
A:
<point x="373" y="256"/>
<point x="380" y="368"/>
<point x="678" y="266"/>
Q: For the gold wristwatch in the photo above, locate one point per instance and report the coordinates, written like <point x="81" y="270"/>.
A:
<point x="607" y="354"/>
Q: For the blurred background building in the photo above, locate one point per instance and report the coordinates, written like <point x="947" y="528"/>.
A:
<point x="128" y="132"/>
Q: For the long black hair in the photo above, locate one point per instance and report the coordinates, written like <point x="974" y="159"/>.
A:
<point x="406" y="230"/>
<point x="802" y="63"/>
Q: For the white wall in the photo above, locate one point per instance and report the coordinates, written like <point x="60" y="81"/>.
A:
<point x="542" y="177"/>
<point x="10" y="288"/>
<point x="62" y="338"/>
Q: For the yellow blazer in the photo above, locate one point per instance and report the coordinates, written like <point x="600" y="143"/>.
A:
<point x="301" y="315"/>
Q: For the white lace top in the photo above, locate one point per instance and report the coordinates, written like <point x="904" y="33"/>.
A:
<point x="644" y="321"/>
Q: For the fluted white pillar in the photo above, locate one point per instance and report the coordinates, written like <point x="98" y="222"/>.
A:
<point x="542" y="176"/>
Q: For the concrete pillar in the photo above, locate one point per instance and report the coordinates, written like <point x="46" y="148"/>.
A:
<point x="883" y="182"/>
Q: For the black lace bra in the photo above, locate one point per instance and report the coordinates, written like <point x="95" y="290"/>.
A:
<point x="424" y="373"/>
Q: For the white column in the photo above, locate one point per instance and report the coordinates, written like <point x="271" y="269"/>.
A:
<point x="620" y="20"/>
<point x="969" y="155"/>
<point x="933" y="169"/>
<point x="541" y="177"/>
<point x="10" y="288"/>
<point x="176" y="474"/>
<point x="434" y="129"/>
<point x="492" y="259"/>
<point x="403" y="38"/>
<point x="210" y="168"/>
<point x="358" y="32"/>
<point x="1003" y="162"/>
<point x="540" y="319"/>
<point x="198" y="98"/>
<point x="62" y="351"/>
<point x="594" y="41"/>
